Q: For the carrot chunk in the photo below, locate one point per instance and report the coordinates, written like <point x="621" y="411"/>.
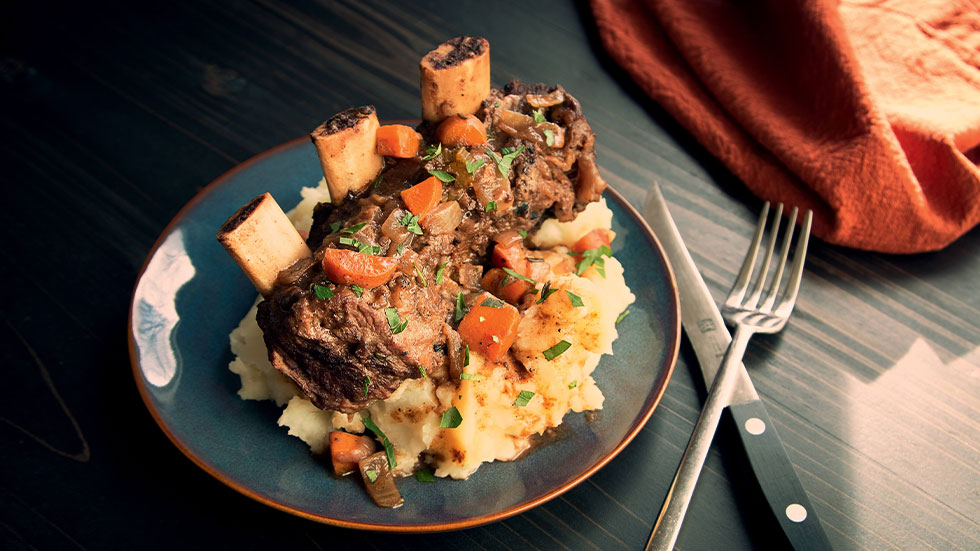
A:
<point x="347" y="449"/>
<point x="490" y="326"/>
<point x="457" y="131"/>
<point x="422" y="197"/>
<point x="398" y="140"/>
<point x="354" y="268"/>
<point x="512" y="256"/>
<point x="593" y="240"/>
<point x="511" y="292"/>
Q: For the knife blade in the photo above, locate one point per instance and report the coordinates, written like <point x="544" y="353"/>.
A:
<point x="706" y="330"/>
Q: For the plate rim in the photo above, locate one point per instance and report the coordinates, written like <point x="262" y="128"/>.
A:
<point x="662" y="381"/>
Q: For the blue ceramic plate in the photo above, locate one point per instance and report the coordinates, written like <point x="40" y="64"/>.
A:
<point x="190" y="295"/>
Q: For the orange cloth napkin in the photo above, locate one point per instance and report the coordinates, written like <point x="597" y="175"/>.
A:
<point x="868" y="112"/>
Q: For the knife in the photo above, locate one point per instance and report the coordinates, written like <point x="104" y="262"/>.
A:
<point x="709" y="337"/>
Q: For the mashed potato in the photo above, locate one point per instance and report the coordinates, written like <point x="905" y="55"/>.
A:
<point x="493" y="426"/>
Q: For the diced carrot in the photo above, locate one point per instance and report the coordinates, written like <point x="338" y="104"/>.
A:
<point x="398" y="140"/>
<point x="458" y="130"/>
<point x="488" y="329"/>
<point x="347" y="449"/>
<point x="423" y="196"/>
<point x="354" y="268"/>
<point x="593" y="240"/>
<point x="512" y="292"/>
<point x="513" y="256"/>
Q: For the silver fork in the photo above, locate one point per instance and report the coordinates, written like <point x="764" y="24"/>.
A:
<point x="761" y="309"/>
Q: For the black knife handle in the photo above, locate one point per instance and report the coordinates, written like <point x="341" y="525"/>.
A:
<point x="778" y="479"/>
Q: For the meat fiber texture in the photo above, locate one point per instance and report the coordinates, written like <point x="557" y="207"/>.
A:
<point x="493" y="427"/>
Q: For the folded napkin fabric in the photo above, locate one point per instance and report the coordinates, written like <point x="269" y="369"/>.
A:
<point x="867" y="112"/>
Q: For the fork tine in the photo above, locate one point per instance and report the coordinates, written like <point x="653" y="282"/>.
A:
<point x="788" y="299"/>
<point x="738" y="289"/>
<point x="777" y="277"/>
<point x="760" y="281"/>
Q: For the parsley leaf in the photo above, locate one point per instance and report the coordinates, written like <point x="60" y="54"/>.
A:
<point x="471" y="376"/>
<point x="422" y="371"/>
<point x="460" y="307"/>
<point x="450" y="419"/>
<point x="353" y="229"/>
<point x="508" y="154"/>
<point x="539" y="115"/>
<point x="592" y="257"/>
<point x="576" y="300"/>
<point x="523" y="398"/>
<point x="512" y="273"/>
<point x="442" y="175"/>
<point x="335" y="227"/>
<point x="492" y="205"/>
<point x="492" y="302"/>
<point x="623" y="315"/>
<point x="358" y="290"/>
<point x="367" y="384"/>
<point x="424" y="475"/>
<point x="322" y="292"/>
<point x="432" y="151"/>
<point x="395" y="322"/>
<point x="549" y="137"/>
<point x="439" y="272"/>
<point x="389" y="449"/>
<point x="556" y="350"/>
<point x="572" y="385"/>
<point x="411" y="223"/>
<point x="371" y="474"/>
<point x="466" y="355"/>
<point x="361" y="247"/>
<point x="523" y="233"/>
<point x="418" y="272"/>
<point x="473" y="166"/>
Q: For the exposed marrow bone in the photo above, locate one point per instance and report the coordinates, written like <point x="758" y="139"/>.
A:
<point x="262" y="241"/>
<point x="346" y="145"/>
<point x="455" y="78"/>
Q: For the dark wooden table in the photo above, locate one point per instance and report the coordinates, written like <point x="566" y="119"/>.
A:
<point x="113" y="118"/>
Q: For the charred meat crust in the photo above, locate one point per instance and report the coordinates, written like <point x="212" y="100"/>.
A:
<point x="331" y="347"/>
<point x="464" y="47"/>
<point x="344" y="120"/>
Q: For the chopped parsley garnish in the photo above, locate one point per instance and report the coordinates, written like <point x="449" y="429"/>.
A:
<point x="491" y="205"/>
<point x="422" y="371"/>
<point x="450" y="419"/>
<point x="576" y="300"/>
<point x="377" y="181"/>
<point x="523" y="398"/>
<point x="572" y="385"/>
<point x="592" y="257"/>
<point x="442" y="175"/>
<point x="322" y="292"/>
<point x="367" y="384"/>
<point x="556" y="350"/>
<point x="362" y="247"/>
<point x="400" y="247"/>
<point x="335" y="227"/>
<point x="424" y="475"/>
<point x="411" y="223"/>
<point x="539" y="115"/>
<point x="432" y="151"/>
<point x="512" y="273"/>
<point x="623" y="315"/>
<point x="353" y="229"/>
<point x="460" y="307"/>
<point x="549" y="137"/>
<point x="440" y="271"/>
<point x="505" y="159"/>
<point x="357" y="290"/>
<point x="389" y="449"/>
<point x="523" y="233"/>
<point x="473" y="166"/>
<point x="395" y="322"/>
<point x="371" y="474"/>
<point x="466" y="355"/>
<point x="418" y="272"/>
<point x="471" y="376"/>
<point x="546" y="292"/>
<point x="492" y="302"/>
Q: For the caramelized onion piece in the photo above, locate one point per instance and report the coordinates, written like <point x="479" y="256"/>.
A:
<point x="489" y="186"/>
<point x="507" y="237"/>
<point x="443" y="218"/>
<point x="393" y="229"/>
<point x="546" y="100"/>
<point x="522" y="126"/>
<point x="382" y="488"/>
<point x="590" y="184"/>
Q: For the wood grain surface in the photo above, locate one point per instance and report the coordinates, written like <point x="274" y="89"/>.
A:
<point x="113" y="117"/>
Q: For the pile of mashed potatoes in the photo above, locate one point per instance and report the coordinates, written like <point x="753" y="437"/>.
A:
<point x="493" y="427"/>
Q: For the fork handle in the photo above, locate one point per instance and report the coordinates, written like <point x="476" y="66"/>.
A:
<point x="668" y="525"/>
